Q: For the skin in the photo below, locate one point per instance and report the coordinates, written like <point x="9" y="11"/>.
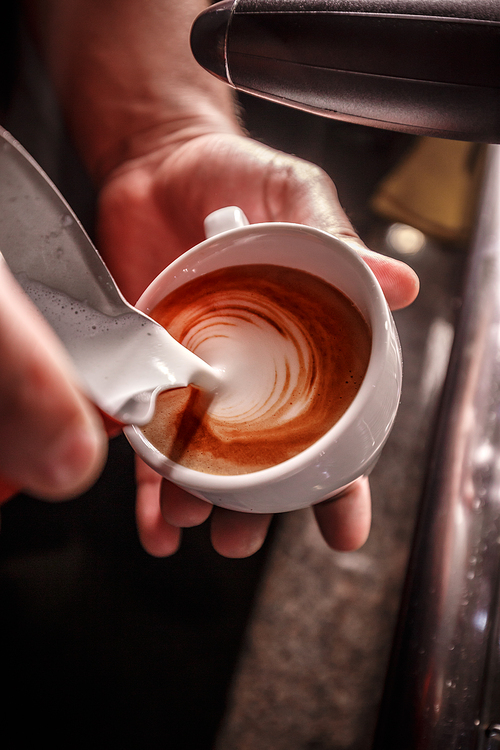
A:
<point x="162" y="141"/>
<point x="52" y="442"/>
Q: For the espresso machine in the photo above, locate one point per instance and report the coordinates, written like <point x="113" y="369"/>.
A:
<point x="426" y="67"/>
<point x="420" y="66"/>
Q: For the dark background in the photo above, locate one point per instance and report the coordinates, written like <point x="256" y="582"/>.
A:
<point x="102" y="643"/>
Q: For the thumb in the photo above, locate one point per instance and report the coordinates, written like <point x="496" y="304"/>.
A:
<point x="52" y="443"/>
<point x="314" y="199"/>
<point x="399" y="282"/>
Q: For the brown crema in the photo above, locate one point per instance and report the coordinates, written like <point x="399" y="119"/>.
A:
<point x="294" y="350"/>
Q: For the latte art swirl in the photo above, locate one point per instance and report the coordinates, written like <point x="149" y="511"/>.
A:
<point x="265" y="386"/>
<point x="293" y="352"/>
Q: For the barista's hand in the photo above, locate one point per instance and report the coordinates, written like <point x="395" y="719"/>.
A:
<point x="52" y="442"/>
<point x="151" y="210"/>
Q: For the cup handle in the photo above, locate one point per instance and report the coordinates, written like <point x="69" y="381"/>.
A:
<point x="224" y="219"/>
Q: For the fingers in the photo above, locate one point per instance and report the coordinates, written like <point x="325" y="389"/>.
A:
<point x="202" y="175"/>
<point x="313" y="200"/>
<point x="157" y="536"/>
<point x="182" y="509"/>
<point x="233" y="534"/>
<point x="309" y="196"/>
<point x="236" y="534"/>
<point x="345" y="521"/>
<point x="52" y="442"/>
<point x="270" y="185"/>
<point x="398" y="281"/>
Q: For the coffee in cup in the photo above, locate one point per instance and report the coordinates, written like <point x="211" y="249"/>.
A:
<point x="292" y="351"/>
<point x="258" y="302"/>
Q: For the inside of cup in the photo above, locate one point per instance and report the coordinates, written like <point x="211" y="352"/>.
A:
<point x="289" y="245"/>
<point x="293" y="246"/>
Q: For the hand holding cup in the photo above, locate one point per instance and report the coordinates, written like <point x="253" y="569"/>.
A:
<point x="300" y="327"/>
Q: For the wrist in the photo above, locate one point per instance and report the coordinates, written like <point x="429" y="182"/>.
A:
<point x="154" y="141"/>
<point x="126" y="78"/>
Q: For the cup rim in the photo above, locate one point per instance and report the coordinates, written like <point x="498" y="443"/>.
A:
<point x="381" y="328"/>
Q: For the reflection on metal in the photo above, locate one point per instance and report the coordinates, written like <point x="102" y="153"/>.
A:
<point x="435" y="359"/>
<point x="443" y="688"/>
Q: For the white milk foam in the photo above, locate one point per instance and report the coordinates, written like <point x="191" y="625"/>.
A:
<point x="121" y="359"/>
<point x="265" y="359"/>
<point x="283" y="340"/>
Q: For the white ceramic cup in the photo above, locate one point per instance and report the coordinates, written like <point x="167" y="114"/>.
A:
<point x="351" y="447"/>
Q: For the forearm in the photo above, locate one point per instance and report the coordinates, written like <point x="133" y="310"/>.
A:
<point x="125" y="76"/>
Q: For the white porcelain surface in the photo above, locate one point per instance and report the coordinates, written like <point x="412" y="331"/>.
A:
<point x="351" y="447"/>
